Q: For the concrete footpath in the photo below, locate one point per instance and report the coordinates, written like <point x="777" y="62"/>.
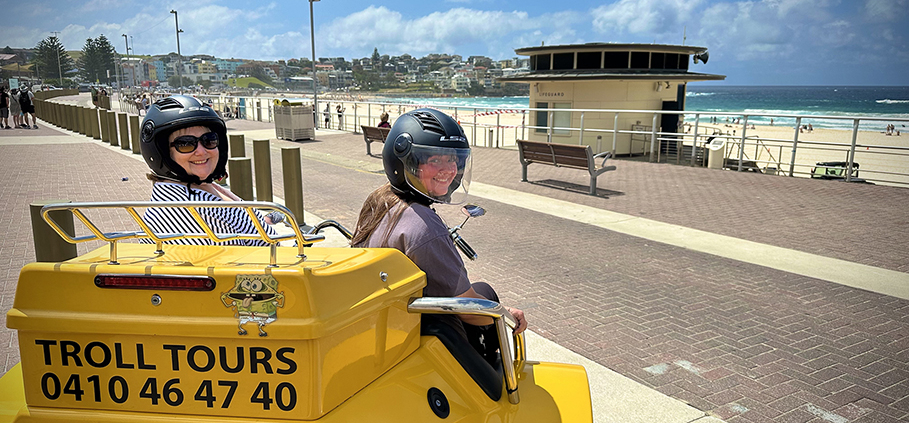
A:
<point x="689" y="294"/>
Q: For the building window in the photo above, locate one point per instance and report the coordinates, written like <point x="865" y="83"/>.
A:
<point x="589" y="60"/>
<point x="672" y="61"/>
<point x="560" y="119"/>
<point x="656" y="60"/>
<point x="542" y="118"/>
<point x="543" y="62"/>
<point x="640" y="60"/>
<point x="563" y="61"/>
<point x="615" y="60"/>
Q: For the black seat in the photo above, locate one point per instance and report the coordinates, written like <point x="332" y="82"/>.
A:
<point x="490" y="378"/>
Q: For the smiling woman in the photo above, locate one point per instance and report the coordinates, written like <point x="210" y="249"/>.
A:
<point x="427" y="161"/>
<point x="183" y="145"/>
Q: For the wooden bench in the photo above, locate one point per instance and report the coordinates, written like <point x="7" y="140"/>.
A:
<point x="563" y="155"/>
<point x="373" y="134"/>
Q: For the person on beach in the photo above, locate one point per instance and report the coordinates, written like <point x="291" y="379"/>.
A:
<point x="15" y="109"/>
<point x="384" y="120"/>
<point x="183" y="142"/>
<point x="340" y="111"/>
<point x="327" y="115"/>
<point x="427" y="160"/>
<point x="4" y="108"/>
<point x="27" y="103"/>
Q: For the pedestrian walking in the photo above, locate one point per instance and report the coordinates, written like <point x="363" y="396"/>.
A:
<point x="26" y="102"/>
<point x="327" y="115"/>
<point x="340" y="111"/>
<point x="4" y="108"/>
<point x="15" y="109"/>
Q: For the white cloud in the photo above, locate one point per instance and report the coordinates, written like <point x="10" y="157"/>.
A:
<point x="650" y="17"/>
<point x="100" y="5"/>
<point x="801" y="9"/>
<point x="437" y="32"/>
<point x="885" y="10"/>
<point x="746" y="30"/>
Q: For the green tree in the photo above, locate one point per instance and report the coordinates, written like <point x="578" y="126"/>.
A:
<point x="98" y="57"/>
<point x="375" y="57"/>
<point x="205" y="83"/>
<point x="366" y="80"/>
<point x="476" y="90"/>
<point x="47" y="53"/>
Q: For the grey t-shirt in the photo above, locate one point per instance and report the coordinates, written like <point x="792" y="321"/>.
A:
<point x="422" y="236"/>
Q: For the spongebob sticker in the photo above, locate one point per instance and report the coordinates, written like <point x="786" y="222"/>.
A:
<point x="254" y="298"/>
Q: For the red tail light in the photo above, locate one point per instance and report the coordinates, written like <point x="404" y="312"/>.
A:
<point x="171" y="283"/>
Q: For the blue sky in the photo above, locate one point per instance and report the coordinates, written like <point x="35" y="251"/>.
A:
<point x="759" y="42"/>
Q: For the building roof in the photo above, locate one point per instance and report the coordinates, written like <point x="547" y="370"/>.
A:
<point x="608" y="70"/>
<point x="662" y="48"/>
<point x="616" y="74"/>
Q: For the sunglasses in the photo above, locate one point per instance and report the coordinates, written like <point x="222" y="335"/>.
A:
<point x="187" y="143"/>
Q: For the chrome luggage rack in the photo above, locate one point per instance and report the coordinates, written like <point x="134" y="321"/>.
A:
<point x="191" y="206"/>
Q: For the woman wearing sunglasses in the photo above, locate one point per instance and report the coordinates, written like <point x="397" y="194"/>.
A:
<point x="184" y="143"/>
<point x="427" y="161"/>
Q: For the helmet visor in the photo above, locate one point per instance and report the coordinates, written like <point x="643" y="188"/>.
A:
<point x="441" y="174"/>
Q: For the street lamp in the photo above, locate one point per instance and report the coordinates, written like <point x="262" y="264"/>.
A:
<point x="117" y="72"/>
<point x="127" y="53"/>
<point x="315" y="89"/>
<point x="59" y="68"/>
<point x="179" y="56"/>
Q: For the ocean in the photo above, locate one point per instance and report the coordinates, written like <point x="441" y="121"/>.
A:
<point x="853" y="101"/>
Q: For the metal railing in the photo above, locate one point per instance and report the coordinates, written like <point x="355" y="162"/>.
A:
<point x="512" y="361"/>
<point x="159" y="238"/>
<point x="500" y="128"/>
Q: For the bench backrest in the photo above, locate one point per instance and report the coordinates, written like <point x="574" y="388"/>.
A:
<point x="374" y="133"/>
<point x="579" y="156"/>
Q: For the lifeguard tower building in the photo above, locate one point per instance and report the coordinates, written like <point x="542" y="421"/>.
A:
<point x="607" y="76"/>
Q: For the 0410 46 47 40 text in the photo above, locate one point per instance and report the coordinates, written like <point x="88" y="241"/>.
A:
<point x="209" y="392"/>
<point x="200" y="376"/>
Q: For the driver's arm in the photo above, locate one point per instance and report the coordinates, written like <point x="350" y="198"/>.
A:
<point x="483" y="321"/>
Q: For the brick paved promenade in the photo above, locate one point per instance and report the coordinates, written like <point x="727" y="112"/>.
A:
<point x="740" y="341"/>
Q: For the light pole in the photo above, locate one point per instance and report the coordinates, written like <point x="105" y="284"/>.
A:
<point x="179" y="57"/>
<point x="117" y="72"/>
<point x="126" y="40"/>
<point x="59" y="67"/>
<point x="315" y="85"/>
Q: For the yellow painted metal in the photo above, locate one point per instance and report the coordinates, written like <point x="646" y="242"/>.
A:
<point x="85" y="347"/>
<point x="12" y="395"/>
<point x="337" y="344"/>
<point x="549" y="393"/>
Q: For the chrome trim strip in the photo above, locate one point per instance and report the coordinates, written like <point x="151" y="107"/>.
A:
<point x="487" y="308"/>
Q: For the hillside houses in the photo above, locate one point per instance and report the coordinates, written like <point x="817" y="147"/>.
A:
<point x="438" y="72"/>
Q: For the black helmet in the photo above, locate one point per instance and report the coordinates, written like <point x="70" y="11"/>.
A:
<point x="427" y="155"/>
<point x="168" y="115"/>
